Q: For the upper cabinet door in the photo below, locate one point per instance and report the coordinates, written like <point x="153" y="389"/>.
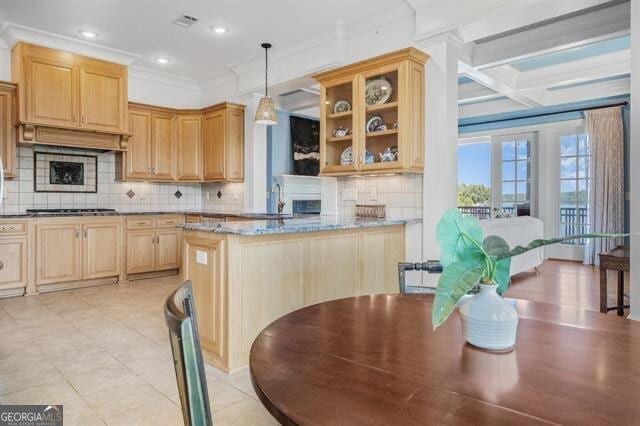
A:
<point x="189" y="130"/>
<point x="51" y="91"/>
<point x="214" y="145"/>
<point x="235" y="144"/>
<point x="162" y="147"/>
<point x="103" y="97"/>
<point x="138" y="156"/>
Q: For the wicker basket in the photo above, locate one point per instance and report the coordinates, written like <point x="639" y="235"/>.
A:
<point x="370" y="210"/>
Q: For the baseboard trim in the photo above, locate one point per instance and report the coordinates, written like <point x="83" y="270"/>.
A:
<point x="45" y="288"/>
<point x="152" y="274"/>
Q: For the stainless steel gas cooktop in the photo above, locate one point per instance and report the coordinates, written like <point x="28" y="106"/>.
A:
<point x="67" y="211"/>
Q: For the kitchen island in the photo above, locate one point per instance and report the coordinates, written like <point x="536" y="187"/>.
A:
<point x="247" y="274"/>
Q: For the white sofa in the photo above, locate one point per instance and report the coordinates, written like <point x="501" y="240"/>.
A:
<point x="518" y="231"/>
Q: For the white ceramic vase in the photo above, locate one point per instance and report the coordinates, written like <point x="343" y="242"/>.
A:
<point x="489" y="321"/>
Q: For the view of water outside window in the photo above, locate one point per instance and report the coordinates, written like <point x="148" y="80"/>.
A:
<point x="474" y="179"/>
<point x="574" y="185"/>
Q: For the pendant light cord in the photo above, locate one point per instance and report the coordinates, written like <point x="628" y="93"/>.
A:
<point x="266" y="71"/>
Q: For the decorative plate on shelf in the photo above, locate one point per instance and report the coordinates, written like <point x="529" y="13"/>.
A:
<point x="373" y="124"/>
<point x="377" y="91"/>
<point x="341" y="106"/>
<point x="346" y="158"/>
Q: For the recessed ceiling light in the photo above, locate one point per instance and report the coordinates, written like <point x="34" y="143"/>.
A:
<point x="219" y="29"/>
<point x="88" y="34"/>
<point x="162" y="61"/>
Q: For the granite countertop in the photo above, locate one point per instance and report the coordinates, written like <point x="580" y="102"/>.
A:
<point x="204" y="213"/>
<point x="308" y="224"/>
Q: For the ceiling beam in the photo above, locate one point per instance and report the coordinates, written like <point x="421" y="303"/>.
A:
<point x="502" y="80"/>
<point x="602" y="66"/>
<point x="557" y="35"/>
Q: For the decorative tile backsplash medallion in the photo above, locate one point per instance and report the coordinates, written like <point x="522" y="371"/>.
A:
<point x="58" y="172"/>
<point x="130" y="193"/>
<point x="178" y="194"/>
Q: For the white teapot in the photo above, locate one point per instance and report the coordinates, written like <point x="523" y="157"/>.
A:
<point x="388" y="155"/>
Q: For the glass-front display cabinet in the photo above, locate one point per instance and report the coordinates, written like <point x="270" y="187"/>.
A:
<point x="372" y="115"/>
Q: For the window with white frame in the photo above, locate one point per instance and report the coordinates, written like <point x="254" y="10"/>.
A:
<point x="515" y="175"/>
<point x="575" y="156"/>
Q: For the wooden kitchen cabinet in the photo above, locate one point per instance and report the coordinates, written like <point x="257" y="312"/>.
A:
<point x="101" y="250"/>
<point x="154" y="244"/>
<point x="168" y="249"/>
<point x="137" y="163"/>
<point x="162" y="147"/>
<point x="384" y="124"/>
<point x="189" y="147"/>
<point x="224" y="143"/>
<point x="13" y="270"/>
<point x="7" y="128"/>
<point x="141" y="253"/>
<point x="65" y="90"/>
<point x="184" y="145"/>
<point x="103" y="96"/>
<point x="58" y="253"/>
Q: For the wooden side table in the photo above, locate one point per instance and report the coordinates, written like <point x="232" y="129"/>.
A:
<point x="616" y="260"/>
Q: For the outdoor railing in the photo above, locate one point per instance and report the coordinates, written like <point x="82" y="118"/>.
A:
<point x="572" y="220"/>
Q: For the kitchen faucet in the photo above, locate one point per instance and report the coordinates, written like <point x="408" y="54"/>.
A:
<point x="281" y="203"/>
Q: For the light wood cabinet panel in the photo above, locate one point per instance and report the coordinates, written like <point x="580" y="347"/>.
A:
<point x="214" y="147"/>
<point x="59" y="253"/>
<point x="13" y="255"/>
<point x="162" y="147"/>
<point x="102" y="250"/>
<point x="103" y="97"/>
<point x="141" y="251"/>
<point x="189" y="142"/>
<point x="381" y="250"/>
<point x="235" y="144"/>
<point x="137" y="161"/>
<point x="7" y="128"/>
<point x="51" y="91"/>
<point x="209" y="295"/>
<point x="168" y="249"/>
<point x="332" y="268"/>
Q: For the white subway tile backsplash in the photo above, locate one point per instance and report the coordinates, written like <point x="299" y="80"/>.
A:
<point x="402" y="194"/>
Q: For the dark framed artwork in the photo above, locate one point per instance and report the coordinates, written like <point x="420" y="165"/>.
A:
<point x="305" y="144"/>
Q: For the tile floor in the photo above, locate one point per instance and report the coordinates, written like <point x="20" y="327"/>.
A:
<point x="104" y="353"/>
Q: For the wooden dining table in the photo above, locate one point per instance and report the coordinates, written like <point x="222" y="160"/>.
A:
<point x="377" y="360"/>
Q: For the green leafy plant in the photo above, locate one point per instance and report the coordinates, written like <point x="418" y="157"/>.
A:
<point x="468" y="259"/>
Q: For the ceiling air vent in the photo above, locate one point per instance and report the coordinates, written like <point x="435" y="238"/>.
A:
<point x="185" y="21"/>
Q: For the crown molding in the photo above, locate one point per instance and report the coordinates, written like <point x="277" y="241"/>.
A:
<point x="166" y="79"/>
<point x="12" y="33"/>
<point x="223" y="78"/>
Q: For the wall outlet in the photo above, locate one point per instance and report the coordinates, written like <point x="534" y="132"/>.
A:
<point x="207" y="194"/>
<point x="234" y="196"/>
<point x="349" y="194"/>
<point x="373" y="194"/>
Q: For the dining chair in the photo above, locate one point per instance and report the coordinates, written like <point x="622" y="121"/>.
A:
<point x="180" y="315"/>
<point x="431" y="266"/>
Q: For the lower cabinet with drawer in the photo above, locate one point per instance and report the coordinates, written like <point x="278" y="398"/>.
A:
<point x="154" y="245"/>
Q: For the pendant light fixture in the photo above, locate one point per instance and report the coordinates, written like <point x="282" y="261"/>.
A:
<point x="266" y="113"/>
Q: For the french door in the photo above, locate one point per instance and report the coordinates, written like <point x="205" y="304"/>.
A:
<point x="513" y="176"/>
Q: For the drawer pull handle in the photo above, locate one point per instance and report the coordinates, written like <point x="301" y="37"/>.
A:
<point x="1" y="264"/>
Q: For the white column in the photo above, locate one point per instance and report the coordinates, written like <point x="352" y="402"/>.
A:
<point x="440" y="179"/>
<point x="634" y="177"/>
<point x="255" y="158"/>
